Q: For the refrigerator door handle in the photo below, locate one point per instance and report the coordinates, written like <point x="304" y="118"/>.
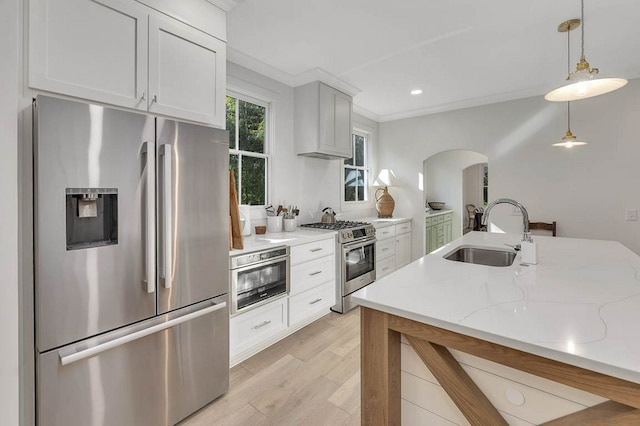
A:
<point x="150" y="243"/>
<point x="167" y="197"/>
<point x="95" y="350"/>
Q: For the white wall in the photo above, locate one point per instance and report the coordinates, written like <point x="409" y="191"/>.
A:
<point x="586" y="190"/>
<point x="9" y="246"/>
<point x="309" y="183"/>
<point x="444" y="181"/>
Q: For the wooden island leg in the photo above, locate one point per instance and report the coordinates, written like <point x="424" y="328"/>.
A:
<point x="380" y="369"/>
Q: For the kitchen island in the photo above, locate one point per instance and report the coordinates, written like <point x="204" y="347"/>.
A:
<point x="571" y="319"/>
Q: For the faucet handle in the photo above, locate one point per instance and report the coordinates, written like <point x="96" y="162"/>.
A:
<point x="527" y="237"/>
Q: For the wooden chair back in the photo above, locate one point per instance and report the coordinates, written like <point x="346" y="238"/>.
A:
<point x="544" y="226"/>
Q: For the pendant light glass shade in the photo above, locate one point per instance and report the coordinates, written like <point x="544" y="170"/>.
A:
<point x="569" y="140"/>
<point x="583" y="83"/>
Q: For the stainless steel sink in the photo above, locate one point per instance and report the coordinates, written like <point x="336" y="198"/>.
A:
<point x="482" y="256"/>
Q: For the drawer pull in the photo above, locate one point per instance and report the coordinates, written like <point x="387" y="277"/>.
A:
<point x="315" y="249"/>
<point x="385" y="268"/>
<point x="315" y="301"/>
<point x="385" y="249"/>
<point x="315" y="273"/>
<point x="262" y="324"/>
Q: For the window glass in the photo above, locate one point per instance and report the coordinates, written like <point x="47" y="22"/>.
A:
<point x="231" y="121"/>
<point x="356" y="170"/>
<point x="358" y="142"/>
<point x="254" y="176"/>
<point x="248" y="149"/>
<point x="251" y="126"/>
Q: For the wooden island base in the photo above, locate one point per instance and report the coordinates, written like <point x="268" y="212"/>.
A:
<point x="380" y="369"/>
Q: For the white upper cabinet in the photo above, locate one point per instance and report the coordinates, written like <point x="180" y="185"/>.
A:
<point x="187" y="72"/>
<point x="90" y="49"/>
<point x="126" y="54"/>
<point x="322" y="121"/>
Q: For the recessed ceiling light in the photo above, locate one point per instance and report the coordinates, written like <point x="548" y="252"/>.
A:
<point x="416" y="92"/>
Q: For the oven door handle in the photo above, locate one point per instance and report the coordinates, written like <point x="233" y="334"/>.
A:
<point x="358" y="244"/>
<point x="271" y="261"/>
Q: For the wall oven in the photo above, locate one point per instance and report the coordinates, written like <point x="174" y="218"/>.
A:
<point x="258" y="277"/>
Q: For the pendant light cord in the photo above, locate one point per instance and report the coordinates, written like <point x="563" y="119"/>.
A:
<point x="569" y="116"/>
<point x="582" y="27"/>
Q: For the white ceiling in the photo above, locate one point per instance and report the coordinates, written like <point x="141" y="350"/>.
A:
<point x="461" y="53"/>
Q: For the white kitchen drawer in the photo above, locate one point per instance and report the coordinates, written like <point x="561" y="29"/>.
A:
<point x="310" y="274"/>
<point x="385" y="266"/>
<point x="314" y="250"/>
<point x="385" y="248"/>
<point x="403" y="228"/>
<point x="311" y="302"/>
<point x="251" y="328"/>
<point x="386" y="232"/>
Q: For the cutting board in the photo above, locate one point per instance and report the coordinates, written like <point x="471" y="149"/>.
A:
<point x="235" y="231"/>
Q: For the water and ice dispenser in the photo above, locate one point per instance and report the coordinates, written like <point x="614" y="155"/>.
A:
<point x="92" y="217"/>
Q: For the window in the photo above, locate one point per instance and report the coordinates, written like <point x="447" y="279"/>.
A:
<point x="248" y="148"/>
<point x="356" y="170"/>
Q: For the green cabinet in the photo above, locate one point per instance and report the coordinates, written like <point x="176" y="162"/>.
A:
<point x="438" y="231"/>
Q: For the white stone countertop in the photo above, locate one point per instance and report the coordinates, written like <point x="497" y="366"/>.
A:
<point x="432" y="212"/>
<point x="379" y="222"/>
<point x="255" y="242"/>
<point x="579" y="305"/>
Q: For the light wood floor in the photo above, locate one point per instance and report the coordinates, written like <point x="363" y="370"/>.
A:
<point x="309" y="378"/>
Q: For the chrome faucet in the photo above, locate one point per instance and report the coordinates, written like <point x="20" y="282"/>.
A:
<point x="526" y="236"/>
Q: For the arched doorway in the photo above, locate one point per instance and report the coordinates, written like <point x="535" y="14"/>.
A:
<point x="444" y="180"/>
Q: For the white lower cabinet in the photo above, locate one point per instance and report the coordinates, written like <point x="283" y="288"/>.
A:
<point x="312" y="292"/>
<point x="393" y="247"/>
<point x="311" y="302"/>
<point x="521" y="398"/>
<point x="252" y="330"/>
<point x="403" y="250"/>
<point x="385" y="266"/>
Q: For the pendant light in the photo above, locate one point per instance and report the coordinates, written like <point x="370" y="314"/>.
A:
<point x="583" y="82"/>
<point x="569" y="140"/>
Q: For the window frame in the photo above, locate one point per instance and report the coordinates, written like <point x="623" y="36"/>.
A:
<point x="366" y="167"/>
<point x="268" y="147"/>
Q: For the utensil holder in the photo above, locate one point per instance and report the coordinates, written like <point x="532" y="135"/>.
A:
<point x="274" y="223"/>
<point x="290" y="224"/>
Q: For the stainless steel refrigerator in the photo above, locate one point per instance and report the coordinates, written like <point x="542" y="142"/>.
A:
<point x="131" y="265"/>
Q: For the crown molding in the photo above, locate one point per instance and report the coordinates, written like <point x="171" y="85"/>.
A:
<point x="318" y="74"/>
<point x="260" y="67"/>
<point x="225" y="5"/>
<point x="366" y="113"/>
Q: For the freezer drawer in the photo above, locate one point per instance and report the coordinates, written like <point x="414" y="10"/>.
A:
<point x="157" y="379"/>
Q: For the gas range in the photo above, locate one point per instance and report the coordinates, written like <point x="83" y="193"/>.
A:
<point x="348" y="231"/>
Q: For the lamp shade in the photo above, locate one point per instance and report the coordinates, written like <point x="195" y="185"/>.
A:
<point x="386" y="177"/>
<point x="586" y="88"/>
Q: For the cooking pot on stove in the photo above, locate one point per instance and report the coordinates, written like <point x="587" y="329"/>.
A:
<point x="329" y="216"/>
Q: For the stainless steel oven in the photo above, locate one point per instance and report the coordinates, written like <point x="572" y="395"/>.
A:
<point x="358" y="261"/>
<point x="355" y="256"/>
<point x="258" y="277"/>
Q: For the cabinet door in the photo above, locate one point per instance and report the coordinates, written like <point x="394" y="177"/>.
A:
<point x="335" y="121"/>
<point x="403" y="250"/>
<point x="448" y="229"/>
<point x="187" y="72"/>
<point x="433" y="237"/>
<point x="92" y="49"/>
